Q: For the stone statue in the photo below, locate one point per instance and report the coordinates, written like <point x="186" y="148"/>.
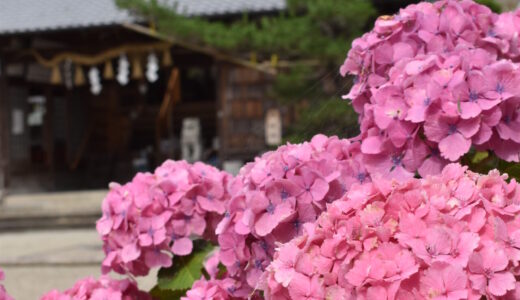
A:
<point x="191" y="144"/>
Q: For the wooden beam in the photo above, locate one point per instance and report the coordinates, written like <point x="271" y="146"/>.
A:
<point x="4" y="131"/>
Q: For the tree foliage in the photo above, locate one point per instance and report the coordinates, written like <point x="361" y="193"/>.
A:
<point x="307" y="29"/>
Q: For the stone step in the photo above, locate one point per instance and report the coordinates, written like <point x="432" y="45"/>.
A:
<point x="47" y="222"/>
<point x="77" y="209"/>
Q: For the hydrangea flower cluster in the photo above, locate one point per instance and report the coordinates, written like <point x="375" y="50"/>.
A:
<point x="219" y="285"/>
<point x="3" y="292"/>
<point x="204" y="289"/>
<point x="217" y="289"/>
<point x="279" y="192"/>
<point x="451" y="236"/>
<point x="155" y="215"/>
<point x="434" y="80"/>
<point x="104" y="288"/>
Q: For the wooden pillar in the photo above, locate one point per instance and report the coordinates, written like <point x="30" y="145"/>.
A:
<point x="164" y="127"/>
<point x="68" y="134"/>
<point x="48" y="134"/>
<point x="223" y="112"/>
<point x="4" y="131"/>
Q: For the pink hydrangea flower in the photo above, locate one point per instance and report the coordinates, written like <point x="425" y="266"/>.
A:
<point x="219" y="285"/>
<point x="156" y="215"/>
<point x="444" y="75"/>
<point x="219" y="289"/>
<point x="203" y="289"/>
<point x="3" y="292"/>
<point x="489" y="274"/>
<point x="452" y="133"/>
<point x="276" y="195"/>
<point x="306" y="288"/>
<point x="442" y="281"/>
<point x="450" y="236"/>
<point x="104" y="288"/>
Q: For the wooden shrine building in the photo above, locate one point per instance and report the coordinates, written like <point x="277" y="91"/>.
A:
<point x="90" y="94"/>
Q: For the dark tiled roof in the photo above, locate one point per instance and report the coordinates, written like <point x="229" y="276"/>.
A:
<point x="43" y="15"/>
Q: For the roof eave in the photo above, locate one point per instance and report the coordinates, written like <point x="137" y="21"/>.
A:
<point x="198" y="48"/>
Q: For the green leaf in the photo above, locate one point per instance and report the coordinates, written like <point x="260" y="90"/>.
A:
<point x="482" y="162"/>
<point x="502" y="165"/>
<point x="479" y="156"/>
<point x="159" y="294"/>
<point x="185" y="269"/>
<point x="492" y="4"/>
<point x="222" y="270"/>
<point x="513" y="171"/>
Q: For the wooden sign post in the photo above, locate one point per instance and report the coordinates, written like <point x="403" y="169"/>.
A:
<point x="273" y="127"/>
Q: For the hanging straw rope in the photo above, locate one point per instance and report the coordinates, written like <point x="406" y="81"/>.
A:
<point x="90" y="60"/>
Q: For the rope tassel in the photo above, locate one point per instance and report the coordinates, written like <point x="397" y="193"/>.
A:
<point x="79" y="77"/>
<point x="108" y="72"/>
<point x="56" y="75"/>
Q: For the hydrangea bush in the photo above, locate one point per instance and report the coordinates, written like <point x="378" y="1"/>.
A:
<point x="432" y="81"/>
<point x="147" y="220"/>
<point x="344" y="218"/>
<point x="450" y="236"/>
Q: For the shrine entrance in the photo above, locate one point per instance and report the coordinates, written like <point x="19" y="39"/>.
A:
<point x="80" y="110"/>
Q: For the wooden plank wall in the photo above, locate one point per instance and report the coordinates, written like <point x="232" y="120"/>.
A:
<point x="243" y="100"/>
<point x="19" y="144"/>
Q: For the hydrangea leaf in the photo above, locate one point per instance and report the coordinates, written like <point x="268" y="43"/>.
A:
<point x="479" y="156"/>
<point x="185" y="269"/>
<point x="514" y="171"/>
<point x="160" y="294"/>
<point x="482" y="161"/>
